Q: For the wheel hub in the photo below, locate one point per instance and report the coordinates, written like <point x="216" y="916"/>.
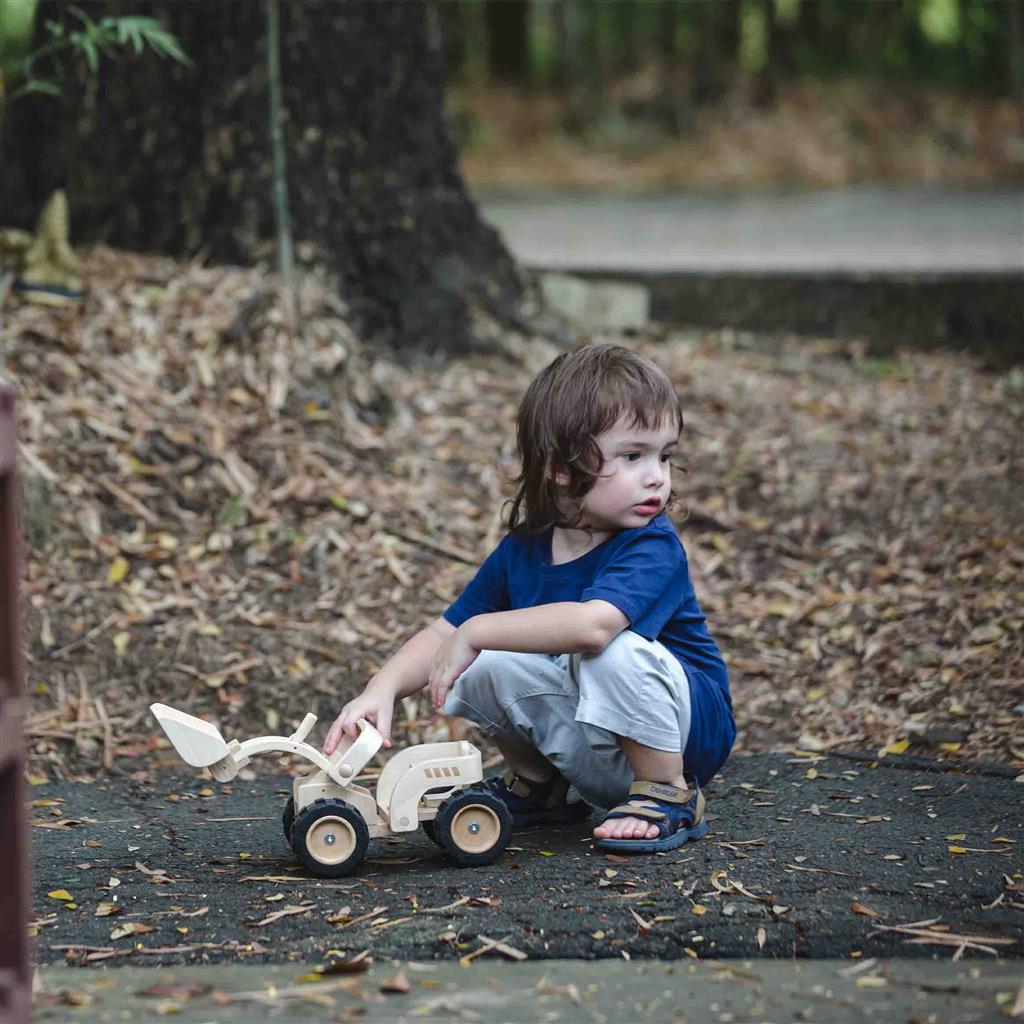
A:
<point x="475" y="828"/>
<point x="330" y="839"/>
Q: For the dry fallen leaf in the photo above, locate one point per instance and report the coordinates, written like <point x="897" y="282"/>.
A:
<point x="118" y="570"/>
<point x="289" y="911"/>
<point x="859" y="908"/>
<point x="398" y="984"/>
<point x="570" y="991"/>
<point x="170" y="990"/>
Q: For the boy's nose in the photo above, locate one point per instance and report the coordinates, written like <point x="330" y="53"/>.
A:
<point x="655" y="475"/>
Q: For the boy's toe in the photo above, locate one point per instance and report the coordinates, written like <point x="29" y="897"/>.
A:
<point x="626" y="828"/>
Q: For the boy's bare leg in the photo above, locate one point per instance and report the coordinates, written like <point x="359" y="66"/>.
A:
<point x="649" y="765"/>
<point x="525" y="761"/>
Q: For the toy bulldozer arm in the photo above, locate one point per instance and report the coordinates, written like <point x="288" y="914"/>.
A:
<point x="201" y="745"/>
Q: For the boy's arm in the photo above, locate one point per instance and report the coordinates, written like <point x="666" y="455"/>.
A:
<point x="405" y="672"/>
<point x="565" y="627"/>
<point x="408" y="669"/>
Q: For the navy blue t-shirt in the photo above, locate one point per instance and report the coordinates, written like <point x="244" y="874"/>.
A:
<point x="642" y="572"/>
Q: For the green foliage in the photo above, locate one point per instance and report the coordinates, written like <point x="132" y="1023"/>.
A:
<point x="958" y="43"/>
<point x="753" y="54"/>
<point x="90" y="40"/>
<point x="16" y="22"/>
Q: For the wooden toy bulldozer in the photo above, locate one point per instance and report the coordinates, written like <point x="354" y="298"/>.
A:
<point x="329" y="820"/>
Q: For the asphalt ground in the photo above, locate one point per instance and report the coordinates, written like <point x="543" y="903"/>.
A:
<point x="805" y="858"/>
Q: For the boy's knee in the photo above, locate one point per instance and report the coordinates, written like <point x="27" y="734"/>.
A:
<point x="627" y="653"/>
<point x="488" y="668"/>
<point x="494" y="678"/>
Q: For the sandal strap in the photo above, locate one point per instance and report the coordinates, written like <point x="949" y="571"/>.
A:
<point x="661" y="791"/>
<point x="550" y="794"/>
<point x="672" y="798"/>
<point x="636" y="811"/>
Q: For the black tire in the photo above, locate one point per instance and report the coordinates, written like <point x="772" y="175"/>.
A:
<point x="288" y="819"/>
<point x="321" y="826"/>
<point x="473" y="827"/>
<point x="430" y="831"/>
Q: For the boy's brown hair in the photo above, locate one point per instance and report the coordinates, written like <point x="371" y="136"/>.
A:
<point x="575" y="398"/>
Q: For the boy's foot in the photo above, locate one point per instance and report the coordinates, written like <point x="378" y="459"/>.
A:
<point x="537" y="803"/>
<point x="655" y="816"/>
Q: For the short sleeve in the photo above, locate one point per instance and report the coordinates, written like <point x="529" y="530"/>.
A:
<point x="646" y="579"/>
<point x="486" y="592"/>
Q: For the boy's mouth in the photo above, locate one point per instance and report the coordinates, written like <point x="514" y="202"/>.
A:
<point x="647" y="507"/>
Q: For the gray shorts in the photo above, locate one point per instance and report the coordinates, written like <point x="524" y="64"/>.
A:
<point x="571" y="707"/>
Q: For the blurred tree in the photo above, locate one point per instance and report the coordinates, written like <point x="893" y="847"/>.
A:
<point x="567" y="61"/>
<point x="451" y="23"/>
<point x="666" y="29"/>
<point x="176" y="160"/>
<point x="625" y="15"/>
<point x="717" y="48"/>
<point x="584" y="45"/>
<point x="508" y="48"/>
<point x="766" y="80"/>
<point x="1014" y="49"/>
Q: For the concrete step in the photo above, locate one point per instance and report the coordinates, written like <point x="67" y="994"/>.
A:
<point x="866" y="230"/>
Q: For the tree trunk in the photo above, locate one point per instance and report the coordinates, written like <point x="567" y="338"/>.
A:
<point x="508" y="39"/>
<point x="716" y="49"/>
<point x="624" y="19"/>
<point x="568" y="43"/>
<point x="668" y="16"/>
<point x="1014" y="51"/>
<point x="451" y="22"/>
<point x="161" y="157"/>
<point x="766" y="81"/>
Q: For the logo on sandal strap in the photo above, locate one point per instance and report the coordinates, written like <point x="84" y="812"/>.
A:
<point x="665" y="792"/>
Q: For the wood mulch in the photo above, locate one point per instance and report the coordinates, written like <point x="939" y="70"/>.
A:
<point x="818" y="134"/>
<point x="244" y="522"/>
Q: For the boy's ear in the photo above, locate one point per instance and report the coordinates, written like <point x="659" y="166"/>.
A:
<point x="559" y="474"/>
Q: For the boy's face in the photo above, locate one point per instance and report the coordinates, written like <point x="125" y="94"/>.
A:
<point x="634" y="482"/>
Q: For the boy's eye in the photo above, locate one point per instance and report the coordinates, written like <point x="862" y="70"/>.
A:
<point x="666" y="457"/>
<point x="632" y="456"/>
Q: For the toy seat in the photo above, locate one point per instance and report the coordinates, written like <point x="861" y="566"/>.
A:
<point x="198" y="743"/>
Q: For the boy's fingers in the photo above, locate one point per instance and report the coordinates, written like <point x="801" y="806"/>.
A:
<point x="332" y="737"/>
<point x="384" y="726"/>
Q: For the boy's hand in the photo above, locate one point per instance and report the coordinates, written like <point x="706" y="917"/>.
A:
<point x="376" y="708"/>
<point x="451" y="659"/>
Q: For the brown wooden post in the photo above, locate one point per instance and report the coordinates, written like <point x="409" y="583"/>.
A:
<point x="14" y="853"/>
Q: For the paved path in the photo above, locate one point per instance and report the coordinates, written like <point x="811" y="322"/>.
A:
<point x="870" y="230"/>
<point x="805" y="859"/>
<point x="827" y="992"/>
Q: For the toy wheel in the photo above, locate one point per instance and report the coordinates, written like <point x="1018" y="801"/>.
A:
<point x="473" y="827"/>
<point x="288" y="819"/>
<point x="330" y="837"/>
<point x="430" y="831"/>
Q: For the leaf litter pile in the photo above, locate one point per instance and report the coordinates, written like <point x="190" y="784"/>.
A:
<point x="244" y="523"/>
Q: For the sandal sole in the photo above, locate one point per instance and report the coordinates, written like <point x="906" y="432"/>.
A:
<point x="672" y="842"/>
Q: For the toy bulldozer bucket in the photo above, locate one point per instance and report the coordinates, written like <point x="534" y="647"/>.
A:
<point x="198" y="743"/>
<point x="201" y="745"/>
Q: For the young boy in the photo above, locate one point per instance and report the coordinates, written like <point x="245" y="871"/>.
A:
<point x="579" y="646"/>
